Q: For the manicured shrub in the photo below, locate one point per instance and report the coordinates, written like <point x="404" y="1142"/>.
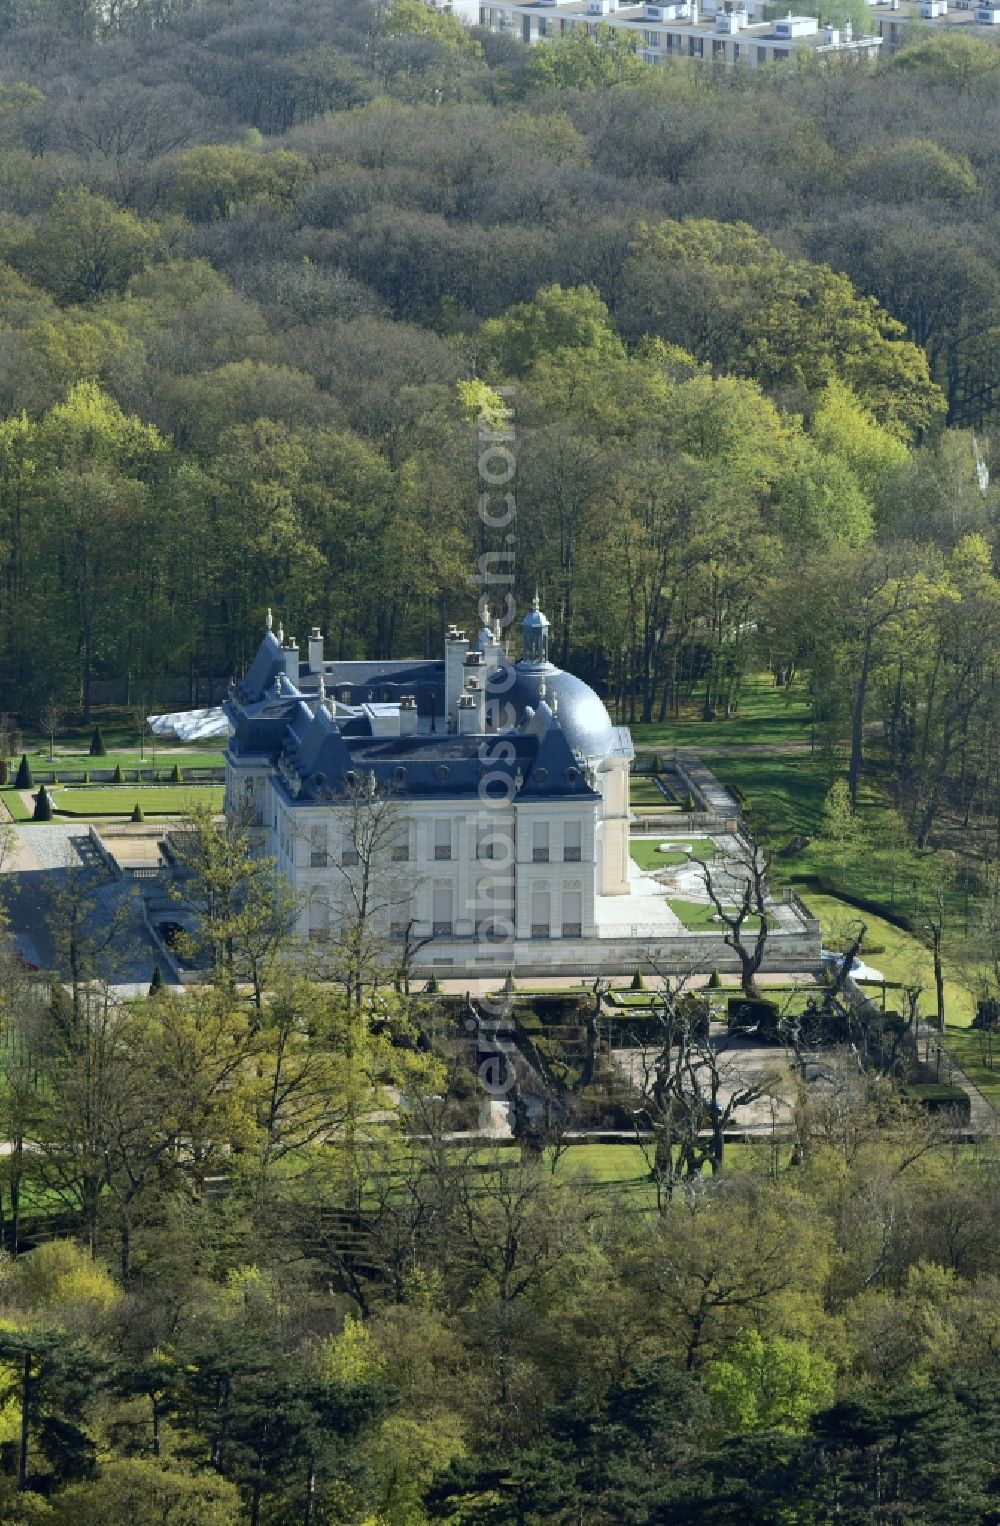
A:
<point x="156" y="984"/>
<point x="43" y="805"/>
<point x="638" y="984"/>
<point x="432" y="988"/>
<point x="715" y="981"/>
<point x="137" y="812"/>
<point x="97" y="747"/>
<point x="176" y="777"/>
<point x="24" y="779"/>
<point x="118" y="777"/>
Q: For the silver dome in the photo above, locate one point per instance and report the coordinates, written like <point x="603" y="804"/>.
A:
<point x="579" y="711"/>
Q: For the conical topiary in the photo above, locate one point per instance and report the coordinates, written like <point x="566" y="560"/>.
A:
<point x="137" y="813"/>
<point x="118" y="776"/>
<point x="432" y="988"/>
<point x="714" y="981"/>
<point x="24" y="779"/>
<point x="97" y="747"/>
<point x="638" y="984"/>
<point x="176" y="777"/>
<point x="156" y="984"/>
<point x="43" y="805"/>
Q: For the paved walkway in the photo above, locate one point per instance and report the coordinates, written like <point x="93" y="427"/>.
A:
<point x="982" y="1115"/>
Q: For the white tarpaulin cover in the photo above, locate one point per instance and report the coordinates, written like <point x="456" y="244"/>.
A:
<point x="191" y="725"/>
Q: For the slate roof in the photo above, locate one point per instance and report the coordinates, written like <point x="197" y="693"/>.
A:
<point x="319" y="751"/>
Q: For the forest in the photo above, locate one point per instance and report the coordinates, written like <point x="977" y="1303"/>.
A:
<point x="259" y="265"/>
<point x="268" y="273"/>
<point x="254" y="1271"/>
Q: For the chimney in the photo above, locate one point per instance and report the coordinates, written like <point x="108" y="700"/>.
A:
<point x="407" y="714"/>
<point x="292" y="661"/>
<point x="315" y="650"/>
<point x="465" y="710"/>
<point x="475" y="684"/>
<point x="456" y="644"/>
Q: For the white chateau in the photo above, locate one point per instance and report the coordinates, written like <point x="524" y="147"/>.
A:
<point x="508" y="818"/>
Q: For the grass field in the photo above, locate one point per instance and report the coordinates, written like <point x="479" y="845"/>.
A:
<point x="646" y="792"/>
<point x="119" y="800"/>
<point x="767" y="717"/>
<point x="697" y="917"/>
<point x="905" y="959"/>
<point x="165" y="756"/>
<point x="646" y="852"/>
<point x="15" y="805"/>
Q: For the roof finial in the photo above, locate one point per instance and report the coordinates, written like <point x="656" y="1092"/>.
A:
<point x="486" y="616"/>
<point x="555" y="703"/>
<point x="536" y="602"/>
<point x="281" y="634"/>
<point x="322" y="689"/>
<point x="269" y="622"/>
<point x="541" y="688"/>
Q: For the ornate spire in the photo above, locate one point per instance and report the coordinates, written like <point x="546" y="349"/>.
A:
<point x="269" y="622"/>
<point x="281" y="635"/>
<point x="322" y="689"/>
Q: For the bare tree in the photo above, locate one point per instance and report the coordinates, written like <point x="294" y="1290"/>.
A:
<point x="369" y="818"/>
<point x="742" y="880"/>
<point x="49" y="718"/>
<point x="688" y="1087"/>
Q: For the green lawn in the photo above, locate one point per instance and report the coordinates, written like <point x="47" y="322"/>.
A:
<point x="697" y="917"/>
<point x="645" y="791"/>
<point x="645" y="851"/>
<point x="785" y="793"/>
<point x="767" y="716"/>
<point x="164" y="757"/>
<point x="119" y="800"/>
<point x="979" y="1064"/>
<point x="906" y="959"/>
<point x="15" y="805"/>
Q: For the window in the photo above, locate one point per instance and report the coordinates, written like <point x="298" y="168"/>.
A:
<point x="696" y="47"/>
<point x="572" y="922"/>
<point x="718" y="48"/>
<point x="348" y="855"/>
<point x="319" y="918"/>
<point x="651" y="39"/>
<point x="318" y="854"/>
<point x="540" y="842"/>
<point x="401" y="845"/>
<point x="442" y="839"/>
<point x="541" y="914"/>
<point x="442" y="911"/>
<point x="572" y="849"/>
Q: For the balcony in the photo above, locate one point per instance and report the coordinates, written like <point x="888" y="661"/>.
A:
<point x="442" y="854"/>
<point x="349" y="858"/>
<point x="540" y="855"/>
<point x="572" y="855"/>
